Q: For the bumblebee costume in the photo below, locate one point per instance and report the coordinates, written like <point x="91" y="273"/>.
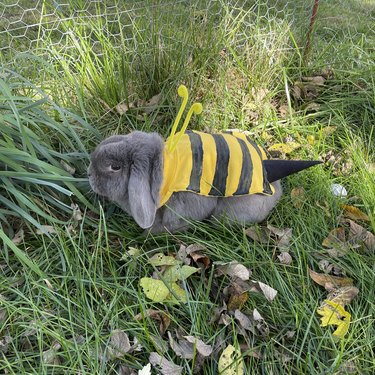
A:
<point x="220" y="165"/>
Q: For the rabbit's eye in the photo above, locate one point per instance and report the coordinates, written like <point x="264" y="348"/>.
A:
<point x="115" y="167"/>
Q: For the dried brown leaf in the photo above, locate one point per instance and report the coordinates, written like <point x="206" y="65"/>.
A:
<point x="260" y="323"/>
<point x="261" y="235"/>
<point x="18" y="237"/>
<point x="298" y="196"/>
<point x="285" y="258"/>
<point x="182" y="348"/>
<point x="46" y="229"/>
<point x="283" y="236"/>
<point x="343" y="295"/>
<point x="166" y="367"/>
<point x="202" y="348"/>
<point x="358" y="235"/>
<point x="151" y="104"/>
<point x="266" y="290"/>
<point x="330" y="282"/>
<point x="316" y="80"/>
<point x="336" y="237"/>
<point x="4" y="344"/>
<point x="354" y="213"/>
<point x="237" y="301"/>
<point x="119" y="343"/>
<point x="77" y="214"/>
<point x="244" y="321"/>
<point x="158" y="315"/>
<point x="312" y="107"/>
<point x="233" y="270"/>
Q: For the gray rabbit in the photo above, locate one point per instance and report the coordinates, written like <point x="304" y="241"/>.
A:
<point x="130" y="171"/>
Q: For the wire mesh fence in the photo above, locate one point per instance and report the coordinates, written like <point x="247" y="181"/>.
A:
<point x="25" y="25"/>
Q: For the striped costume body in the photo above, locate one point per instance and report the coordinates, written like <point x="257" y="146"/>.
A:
<point x="220" y="165"/>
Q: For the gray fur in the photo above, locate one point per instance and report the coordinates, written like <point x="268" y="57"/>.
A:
<point x="135" y="187"/>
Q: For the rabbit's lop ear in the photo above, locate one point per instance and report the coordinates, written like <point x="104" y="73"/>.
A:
<point x="145" y="177"/>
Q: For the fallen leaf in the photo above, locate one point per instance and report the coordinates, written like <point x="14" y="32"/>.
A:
<point x="260" y="323"/>
<point x="347" y="367"/>
<point x="46" y="229"/>
<point x="77" y="214"/>
<point x="233" y="270"/>
<point x="155" y="290"/>
<point x="50" y="356"/>
<point x="146" y="370"/>
<point x="202" y="348"/>
<point x="119" y="344"/>
<point x="182" y="348"/>
<point x="312" y="107"/>
<point x="284" y="148"/>
<point x="330" y="282"/>
<point x="166" y="367"/>
<point x="134" y="251"/>
<point x="316" y="80"/>
<point x="258" y="234"/>
<point x="334" y="314"/>
<point x="343" y="295"/>
<point x="160" y="259"/>
<point x="151" y="105"/>
<point x="283" y="236"/>
<point x="354" y="213"/>
<point x="231" y="362"/>
<point x="178" y="272"/>
<point x="358" y="235"/>
<point x="328" y="130"/>
<point x="284" y="111"/>
<point x="298" y="197"/>
<point x="285" y="258"/>
<point x="325" y="207"/>
<point x="237" y="301"/>
<point x="178" y="294"/>
<point x="195" y="251"/>
<point x="336" y="237"/>
<point x="18" y="237"/>
<point x="4" y="344"/>
<point x="328" y="267"/>
<point x="268" y="292"/>
<point x="158" y="315"/>
<point x="244" y="321"/>
<point x="311" y="140"/>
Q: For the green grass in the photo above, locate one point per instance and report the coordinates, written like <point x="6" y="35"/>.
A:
<point x="63" y="294"/>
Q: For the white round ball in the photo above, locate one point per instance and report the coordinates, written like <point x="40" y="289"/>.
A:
<point x="339" y="190"/>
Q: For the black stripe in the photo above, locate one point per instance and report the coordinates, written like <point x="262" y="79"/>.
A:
<point x="246" y="170"/>
<point x="266" y="184"/>
<point x="196" y="171"/>
<point x="221" y="170"/>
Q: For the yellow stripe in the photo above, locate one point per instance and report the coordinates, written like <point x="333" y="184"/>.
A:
<point x="209" y="163"/>
<point x="177" y="169"/>
<point x="257" y="180"/>
<point x="235" y="164"/>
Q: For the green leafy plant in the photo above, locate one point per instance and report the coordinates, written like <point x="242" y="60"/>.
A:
<point x="41" y="151"/>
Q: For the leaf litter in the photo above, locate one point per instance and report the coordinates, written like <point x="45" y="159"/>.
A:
<point x="332" y="309"/>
